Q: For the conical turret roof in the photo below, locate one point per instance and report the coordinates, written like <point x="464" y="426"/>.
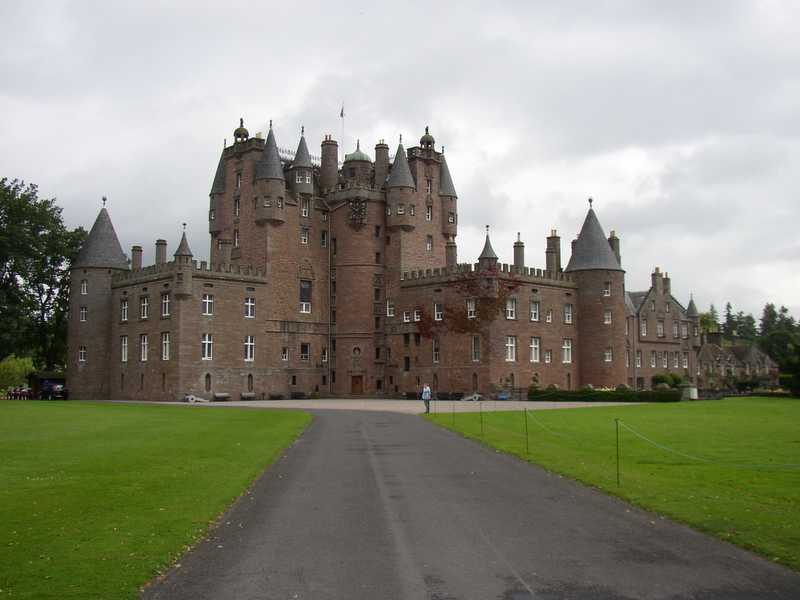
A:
<point x="691" y="310"/>
<point x="102" y="247"/>
<point x="218" y="187"/>
<point x="488" y="251"/>
<point x="400" y="175"/>
<point x="269" y="166"/>
<point x="591" y="249"/>
<point x="301" y="157"/>
<point x="446" y="187"/>
<point x="183" y="247"/>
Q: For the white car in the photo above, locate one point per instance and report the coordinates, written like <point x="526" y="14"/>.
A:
<point x="473" y="397"/>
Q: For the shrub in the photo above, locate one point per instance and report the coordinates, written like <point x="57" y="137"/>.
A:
<point x="297" y="395"/>
<point x="623" y="388"/>
<point x="660" y="395"/>
<point x="276" y="396"/>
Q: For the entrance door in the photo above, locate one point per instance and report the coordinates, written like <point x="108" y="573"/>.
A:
<point x="357" y="384"/>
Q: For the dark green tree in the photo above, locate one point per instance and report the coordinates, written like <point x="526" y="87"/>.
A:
<point x="729" y="322"/>
<point x="746" y="326"/>
<point x="709" y="321"/>
<point x="36" y="251"/>
<point x="769" y="319"/>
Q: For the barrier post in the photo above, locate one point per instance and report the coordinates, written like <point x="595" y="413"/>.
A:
<point x="453" y="406"/>
<point x="527" y="444"/>
<point x="480" y="408"/>
<point x="616" y="421"/>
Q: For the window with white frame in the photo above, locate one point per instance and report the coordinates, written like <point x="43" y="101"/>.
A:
<point x="685" y="360"/>
<point x="652" y="306"/>
<point x="666" y="306"/>
<point x="406" y="317"/>
<point x="123" y="348"/>
<point x="536" y="344"/>
<point x="285" y="353"/>
<point x="165" y="345"/>
<point x="438" y="311"/>
<point x="298" y="178"/>
<point x="82" y="354"/>
<point x="684" y="330"/>
<point x="235" y="238"/>
<point x="388" y="211"/>
<point x="84" y="287"/>
<point x="627" y="358"/>
<point x="324" y="356"/>
<point x="164" y="305"/>
<point x="451" y="217"/>
<point x="207" y="304"/>
<point x="676" y="360"/>
<point x="665" y="360"/>
<point x="653" y="359"/>
<point x="548" y="316"/>
<point x="305" y="207"/>
<point x="236" y="207"/>
<point x="308" y="176"/>
<point x="675" y="332"/>
<point x="212" y="215"/>
<point x="638" y="359"/>
<point x="250" y="308"/>
<point x="429" y="243"/>
<point x="144" y="307"/>
<point x="627" y="326"/>
<point x="568" y="313"/>
<point x="548" y="356"/>
<point x="643" y="328"/>
<point x="534" y="310"/>
<point x="428" y="213"/>
<point x="607" y="288"/>
<point x="324" y="238"/>
<point x="660" y="328"/>
<point x="429" y="186"/>
<point x="608" y="355"/>
<point x="249" y="348"/>
<point x="417" y="314"/>
<point x="401" y="209"/>
<point x="389" y="308"/>
<point x="566" y="351"/>
<point x="511" y="348"/>
<point x="304" y="235"/>
<point x="412" y="210"/>
<point x="83" y="312"/>
<point x="238" y="181"/>
<point x="207" y="346"/>
<point x="143" y="347"/>
<point x="305" y="296"/>
<point x="436" y="348"/>
<point x="471" y="312"/>
<point x="607" y="316"/>
<point x="476" y="348"/>
<point x="511" y="308"/>
<point x="305" y="351"/>
<point x="123" y="310"/>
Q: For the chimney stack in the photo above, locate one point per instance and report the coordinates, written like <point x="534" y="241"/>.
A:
<point x="161" y="252"/>
<point x="519" y="254"/>
<point x="136" y="258"/>
<point x="381" y="163"/>
<point x="667" y="285"/>
<point x="656" y="280"/>
<point x="225" y="247"/>
<point x="613" y="241"/>
<point x="552" y="255"/>
<point x="329" y="167"/>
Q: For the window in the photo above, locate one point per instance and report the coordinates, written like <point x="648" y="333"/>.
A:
<point x="548" y="316"/>
<point x="235" y="238"/>
<point x="389" y="308"/>
<point x="406" y="317"/>
<point x="236" y="207"/>
<point x="123" y="348"/>
<point x="568" y="314"/>
<point x="666" y="306"/>
<point x="676" y="359"/>
<point x="376" y="294"/>
<point x="208" y="382"/>
<point x="123" y="310"/>
<point x="608" y="355"/>
<point x="83" y="312"/>
<point x="627" y="326"/>
<point x="144" y="307"/>
<point x="388" y="211"/>
<point x="305" y="351"/>
<point x="212" y="215"/>
<point x="298" y="178"/>
<point x="284" y="353"/>
<point x="412" y="210"/>
<point x="660" y="328"/>
<point x="401" y="209"/>
<point x="436" y="350"/>
<point x="208" y="304"/>
<point x="238" y="181"/>
<point x="675" y="333"/>
<point x="249" y="348"/>
<point x="511" y="348"/>
<point x="279" y="202"/>
<point x="638" y="359"/>
<point x="324" y="217"/>
<point x="665" y="360"/>
<point x="511" y="308"/>
<point x="685" y="360"/>
<point x="548" y="356"/>
<point x="429" y="186"/>
<point x="652" y="306"/>
<point x="534" y="310"/>
<point x="82" y="354"/>
<point x="417" y="339"/>
<point x="406" y="363"/>
<point x="250" y="308"/>
<point x="305" y="296"/>
<point x="471" y="312"/>
<point x="684" y="330"/>
<point x="143" y="346"/>
<point x="417" y="314"/>
<point x="627" y="359"/>
<point x="267" y="201"/>
<point x="607" y="288"/>
<point x="643" y="328"/>
<point x="476" y="348"/>
<point x="304" y="235"/>
<point x="438" y="311"/>
<point x="607" y="316"/>
<point x="164" y="305"/>
<point x="451" y="217"/>
<point x="566" y="351"/>
<point x="377" y="258"/>
<point x="207" y="347"/>
<point x="305" y="206"/>
<point x="165" y="345"/>
<point x="429" y="213"/>
<point x="324" y="355"/>
<point x="536" y="344"/>
<point x="323" y="241"/>
<point x="653" y="359"/>
<point x="694" y="330"/>
<point x="429" y="243"/>
<point x="84" y="287"/>
<point x="377" y="231"/>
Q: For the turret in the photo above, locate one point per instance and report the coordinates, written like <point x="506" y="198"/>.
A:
<point x="240" y="134"/>
<point x="301" y="172"/>
<point x="400" y="188"/>
<point x="552" y="254"/>
<point x="215" y="197"/>
<point x="448" y="198"/>
<point x="329" y="169"/>
<point x="519" y="254"/>
<point x="487" y="261"/>
<point x="451" y="252"/>
<point x="270" y="183"/>
<point x="357" y="167"/>
<point x="381" y="163"/>
<point x="183" y="263"/>
<point x="694" y="319"/>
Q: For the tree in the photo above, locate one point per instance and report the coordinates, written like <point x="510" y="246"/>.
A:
<point x="769" y="319"/>
<point x="709" y="321"/>
<point x="729" y="324"/>
<point x="746" y="326"/>
<point x="36" y="251"/>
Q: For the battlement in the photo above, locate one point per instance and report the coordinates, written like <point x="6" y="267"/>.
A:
<point x="199" y="269"/>
<point x="504" y="271"/>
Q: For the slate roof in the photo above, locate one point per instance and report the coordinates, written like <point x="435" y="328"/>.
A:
<point x="183" y="247"/>
<point x="357" y="155"/>
<point x="269" y="165"/>
<point x="301" y="157"/>
<point x="400" y="175"/>
<point x="102" y="247"/>
<point x="630" y="307"/>
<point x="592" y="250"/>
<point x="446" y="187"/>
<point x="218" y="187"/>
<point x="691" y="310"/>
<point x="488" y="251"/>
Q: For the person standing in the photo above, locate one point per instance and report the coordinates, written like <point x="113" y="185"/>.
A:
<point x="426" y="398"/>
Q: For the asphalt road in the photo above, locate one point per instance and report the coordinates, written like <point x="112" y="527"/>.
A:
<point x="387" y="506"/>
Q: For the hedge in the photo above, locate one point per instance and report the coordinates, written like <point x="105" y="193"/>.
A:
<point x="605" y="396"/>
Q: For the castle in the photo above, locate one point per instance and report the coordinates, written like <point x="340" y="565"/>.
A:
<point x="342" y="279"/>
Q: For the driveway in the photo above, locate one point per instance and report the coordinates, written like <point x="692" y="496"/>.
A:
<point x="387" y="506"/>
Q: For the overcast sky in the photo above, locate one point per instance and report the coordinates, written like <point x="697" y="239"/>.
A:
<point x="679" y="118"/>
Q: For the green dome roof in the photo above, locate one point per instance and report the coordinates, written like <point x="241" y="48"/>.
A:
<point x="357" y="155"/>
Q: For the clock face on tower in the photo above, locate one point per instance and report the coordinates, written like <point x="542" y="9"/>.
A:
<point x="358" y="212"/>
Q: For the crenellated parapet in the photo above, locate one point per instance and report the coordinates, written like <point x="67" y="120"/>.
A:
<point x="200" y="269"/>
<point x="506" y="271"/>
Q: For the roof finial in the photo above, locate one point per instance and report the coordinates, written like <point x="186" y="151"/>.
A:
<point x="518" y="238"/>
<point x="442" y="149"/>
<point x="184" y="226"/>
<point x="241" y="121"/>
<point x="426" y="130"/>
<point x="270" y="123"/>
<point x="487" y="230"/>
<point x="104" y="201"/>
<point x="302" y="130"/>
<point x="401" y="138"/>
<point x="590" y="203"/>
<point x="224" y="143"/>
<point x="358" y="144"/>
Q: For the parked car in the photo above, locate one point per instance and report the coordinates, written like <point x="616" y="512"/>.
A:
<point x="503" y="395"/>
<point x="53" y="391"/>
<point x="476" y="397"/>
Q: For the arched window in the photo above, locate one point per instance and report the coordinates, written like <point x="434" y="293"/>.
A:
<point x="356" y="351"/>
<point x="250" y="382"/>
<point x="208" y="382"/>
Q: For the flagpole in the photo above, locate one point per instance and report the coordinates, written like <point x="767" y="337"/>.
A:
<point x="341" y="114"/>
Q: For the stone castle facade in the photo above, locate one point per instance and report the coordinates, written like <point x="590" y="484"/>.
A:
<point x="343" y="279"/>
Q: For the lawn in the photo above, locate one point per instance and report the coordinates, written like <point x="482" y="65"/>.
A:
<point x="730" y="468"/>
<point x="96" y="499"/>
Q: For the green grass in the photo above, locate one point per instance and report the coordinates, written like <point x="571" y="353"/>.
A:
<point x="749" y="493"/>
<point x="96" y="499"/>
